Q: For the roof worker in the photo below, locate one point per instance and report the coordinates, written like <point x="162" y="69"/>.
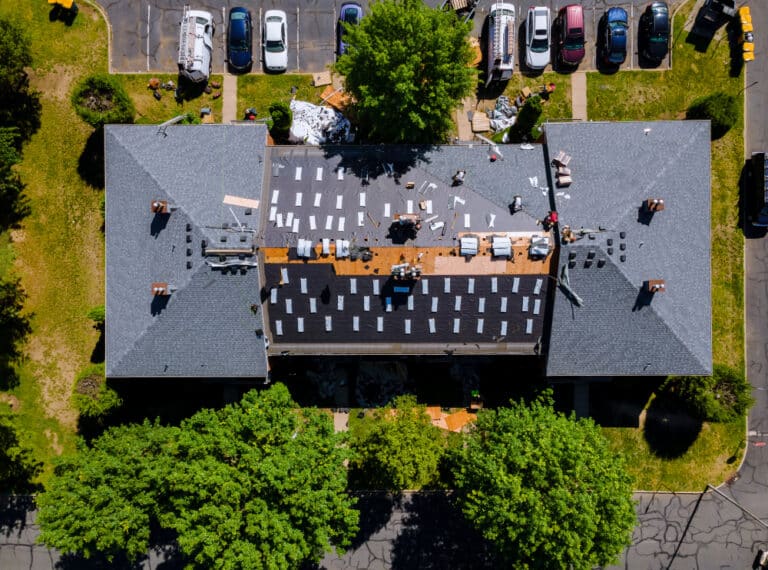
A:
<point x="458" y="178"/>
<point x="550" y="220"/>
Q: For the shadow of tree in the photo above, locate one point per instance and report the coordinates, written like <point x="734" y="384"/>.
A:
<point x="90" y="165"/>
<point x="14" y="328"/>
<point x="375" y="511"/>
<point x="669" y="429"/>
<point x="14" y="510"/>
<point x="21" y="108"/>
<point x="435" y="535"/>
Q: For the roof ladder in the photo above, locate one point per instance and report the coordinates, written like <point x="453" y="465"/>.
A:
<point x="498" y="41"/>
<point x="184" y="37"/>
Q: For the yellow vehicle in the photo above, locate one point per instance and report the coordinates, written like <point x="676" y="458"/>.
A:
<point x="747" y="39"/>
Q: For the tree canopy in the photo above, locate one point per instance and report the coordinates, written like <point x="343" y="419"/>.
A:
<point x="18" y="468"/>
<point x="722" y="397"/>
<point x="407" y="66"/>
<point x="258" y="484"/>
<point x="545" y="488"/>
<point x="19" y="105"/>
<point x="398" y="449"/>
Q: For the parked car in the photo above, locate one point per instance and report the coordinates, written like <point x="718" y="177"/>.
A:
<point x="537" y="37"/>
<point x="759" y="190"/>
<point x="570" y="34"/>
<point x="350" y="14"/>
<point x="654" y="24"/>
<point x="239" y="33"/>
<point x="616" y="31"/>
<point x="275" y="41"/>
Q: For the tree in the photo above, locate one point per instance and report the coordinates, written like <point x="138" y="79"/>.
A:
<point x="526" y="120"/>
<point x="398" y="449"/>
<point x="93" y="398"/>
<point x="18" y="467"/>
<point x="281" y="117"/>
<point x="259" y="484"/>
<point x="19" y="105"/>
<point x="720" y="108"/>
<point x="14" y="324"/>
<point x="100" y="99"/>
<point x="407" y="66"/>
<point x="98" y="315"/>
<point x="722" y="397"/>
<point x="545" y="488"/>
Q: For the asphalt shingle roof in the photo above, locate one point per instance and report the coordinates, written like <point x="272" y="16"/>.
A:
<point x="206" y="328"/>
<point x="619" y="331"/>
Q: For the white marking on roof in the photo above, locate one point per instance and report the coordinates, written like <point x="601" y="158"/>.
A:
<point x="528" y="326"/>
<point x="319" y="173"/>
<point x="389" y="304"/>
<point x="329" y="222"/>
<point x="289" y="306"/>
<point x="366" y="303"/>
<point x="289" y="219"/>
<point x="491" y="220"/>
<point x="471" y="285"/>
<point x="318" y="196"/>
<point x="279" y="327"/>
<point x="342" y="221"/>
<point x="480" y="323"/>
<point x="387" y="210"/>
<point x="295" y="228"/>
<point x="300" y="324"/>
<point x="407" y="326"/>
<point x="272" y="213"/>
<point x="447" y="285"/>
<point x="425" y="286"/>
<point x="275" y="196"/>
<point x="503" y="331"/>
<point x="312" y="223"/>
<point x="375" y="286"/>
<point x="432" y="329"/>
<point x="481" y="305"/>
<point x="536" y="306"/>
<point x="379" y="324"/>
<point x="356" y="323"/>
<point x="298" y="173"/>
<point x="353" y="286"/>
<point x="503" y="305"/>
<point x="339" y="302"/>
<point x="360" y="219"/>
<point x="284" y="275"/>
<point x="298" y="199"/>
<point x="456" y="326"/>
<point x="273" y="296"/>
<point x="410" y="302"/>
<point x="457" y="303"/>
<point x="312" y="305"/>
<point x="279" y="221"/>
<point x="494" y="284"/>
<point x="537" y="287"/>
<point x="429" y="206"/>
<point x="409" y="206"/>
<point x="339" y="201"/>
<point x="303" y="285"/>
<point x="340" y="173"/>
<point x="328" y="323"/>
<point x="434" y="304"/>
<point x="458" y="200"/>
<point x="525" y="304"/>
<point x="515" y="284"/>
<point x="362" y="199"/>
<point x="466" y="220"/>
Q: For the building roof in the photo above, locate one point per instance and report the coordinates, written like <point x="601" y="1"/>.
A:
<point x="209" y="181"/>
<point x="621" y="329"/>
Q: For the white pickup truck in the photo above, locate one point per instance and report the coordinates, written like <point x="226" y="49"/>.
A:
<point x="196" y="45"/>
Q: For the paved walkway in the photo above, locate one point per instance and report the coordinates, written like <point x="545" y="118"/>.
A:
<point x="579" y="96"/>
<point x="229" y="95"/>
<point x="463" y="124"/>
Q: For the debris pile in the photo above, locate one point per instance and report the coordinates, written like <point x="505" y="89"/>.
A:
<point x="503" y="115"/>
<point x="317" y="125"/>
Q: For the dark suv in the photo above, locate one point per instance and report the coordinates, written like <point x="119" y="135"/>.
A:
<point x="654" y="26"/>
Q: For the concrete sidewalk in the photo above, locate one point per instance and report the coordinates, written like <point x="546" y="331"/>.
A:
<point x="229" y="95"/>
<point x="579" y="96"/>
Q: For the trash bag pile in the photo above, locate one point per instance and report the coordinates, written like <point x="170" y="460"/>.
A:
<point x="317" y="125"/>
<point x="503" y="115"/>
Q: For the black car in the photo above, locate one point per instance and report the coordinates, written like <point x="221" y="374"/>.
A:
<point x="239" y="31"/>
<point x="655" y="31"/>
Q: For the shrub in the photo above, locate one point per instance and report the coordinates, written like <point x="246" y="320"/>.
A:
<point x="281" y="117"/>
<point x="722" y="397"/>
<point x="720" y="108"/>
<point x="96" y="314"/>
<point x="526" y="121"/>
<point x="93" y="398"/>
<point x="101" y="99"/>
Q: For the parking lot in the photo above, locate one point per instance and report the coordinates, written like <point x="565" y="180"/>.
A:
<point x="145" y="34"/>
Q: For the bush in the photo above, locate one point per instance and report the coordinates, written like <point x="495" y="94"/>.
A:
<point x="720" y="108"/>
<point x="526" y="121"/>
<point x="100" y="99"/>
<point x="96" y="314"/>
<point x="281" y="119"/>
<point x="93" y="398"/>
<point x="722" y="397"/>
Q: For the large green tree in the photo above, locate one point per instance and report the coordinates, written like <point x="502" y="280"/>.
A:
<point x="397" y="448"/>
<point x="19" y="104"/>
<point x="259" y="484"/>
<point x="545" y="488"/>
<point x="14" y="205"/>
<point x="18" y="467"/>
<point x="407" y="65"/>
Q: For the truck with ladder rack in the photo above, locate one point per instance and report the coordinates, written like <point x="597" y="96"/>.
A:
<point x="195" y="45"/>
<point x="501" y="42"/>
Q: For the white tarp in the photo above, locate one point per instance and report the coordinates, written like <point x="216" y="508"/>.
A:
<point x="316" y="125"/>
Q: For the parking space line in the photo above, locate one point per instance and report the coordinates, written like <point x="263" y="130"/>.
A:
<point x="631" y="32"/>
<point x="298" y="27"/>
<point x="148" y="11"/>
<point x="261" y="39"/>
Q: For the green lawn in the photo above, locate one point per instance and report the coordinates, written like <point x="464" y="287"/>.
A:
<point x="558" y="106"/>
<point x="258" y="91"/>
<point x="151" y="111"/>
<point x="59" y="249"/>
<point x="641" y="95"/>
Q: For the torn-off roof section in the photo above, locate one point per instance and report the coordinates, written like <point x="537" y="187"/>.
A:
<point x="615" y="168"/>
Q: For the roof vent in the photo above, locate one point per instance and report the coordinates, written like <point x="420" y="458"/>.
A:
<point x="160" y="289"/>
<point x="304" y="248"/>
<point x="469" y="245"/>
<point x="591" y="255"/>
<point x="405" y="271"/>
<point x="654" y="204"/>
<point x="160" y="207"/>
<point x="502" y="246"/>
<point x="601" y="262"/>
<point x="655" y="286"/>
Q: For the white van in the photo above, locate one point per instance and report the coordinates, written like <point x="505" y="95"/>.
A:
<point x="196" y="45"/>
